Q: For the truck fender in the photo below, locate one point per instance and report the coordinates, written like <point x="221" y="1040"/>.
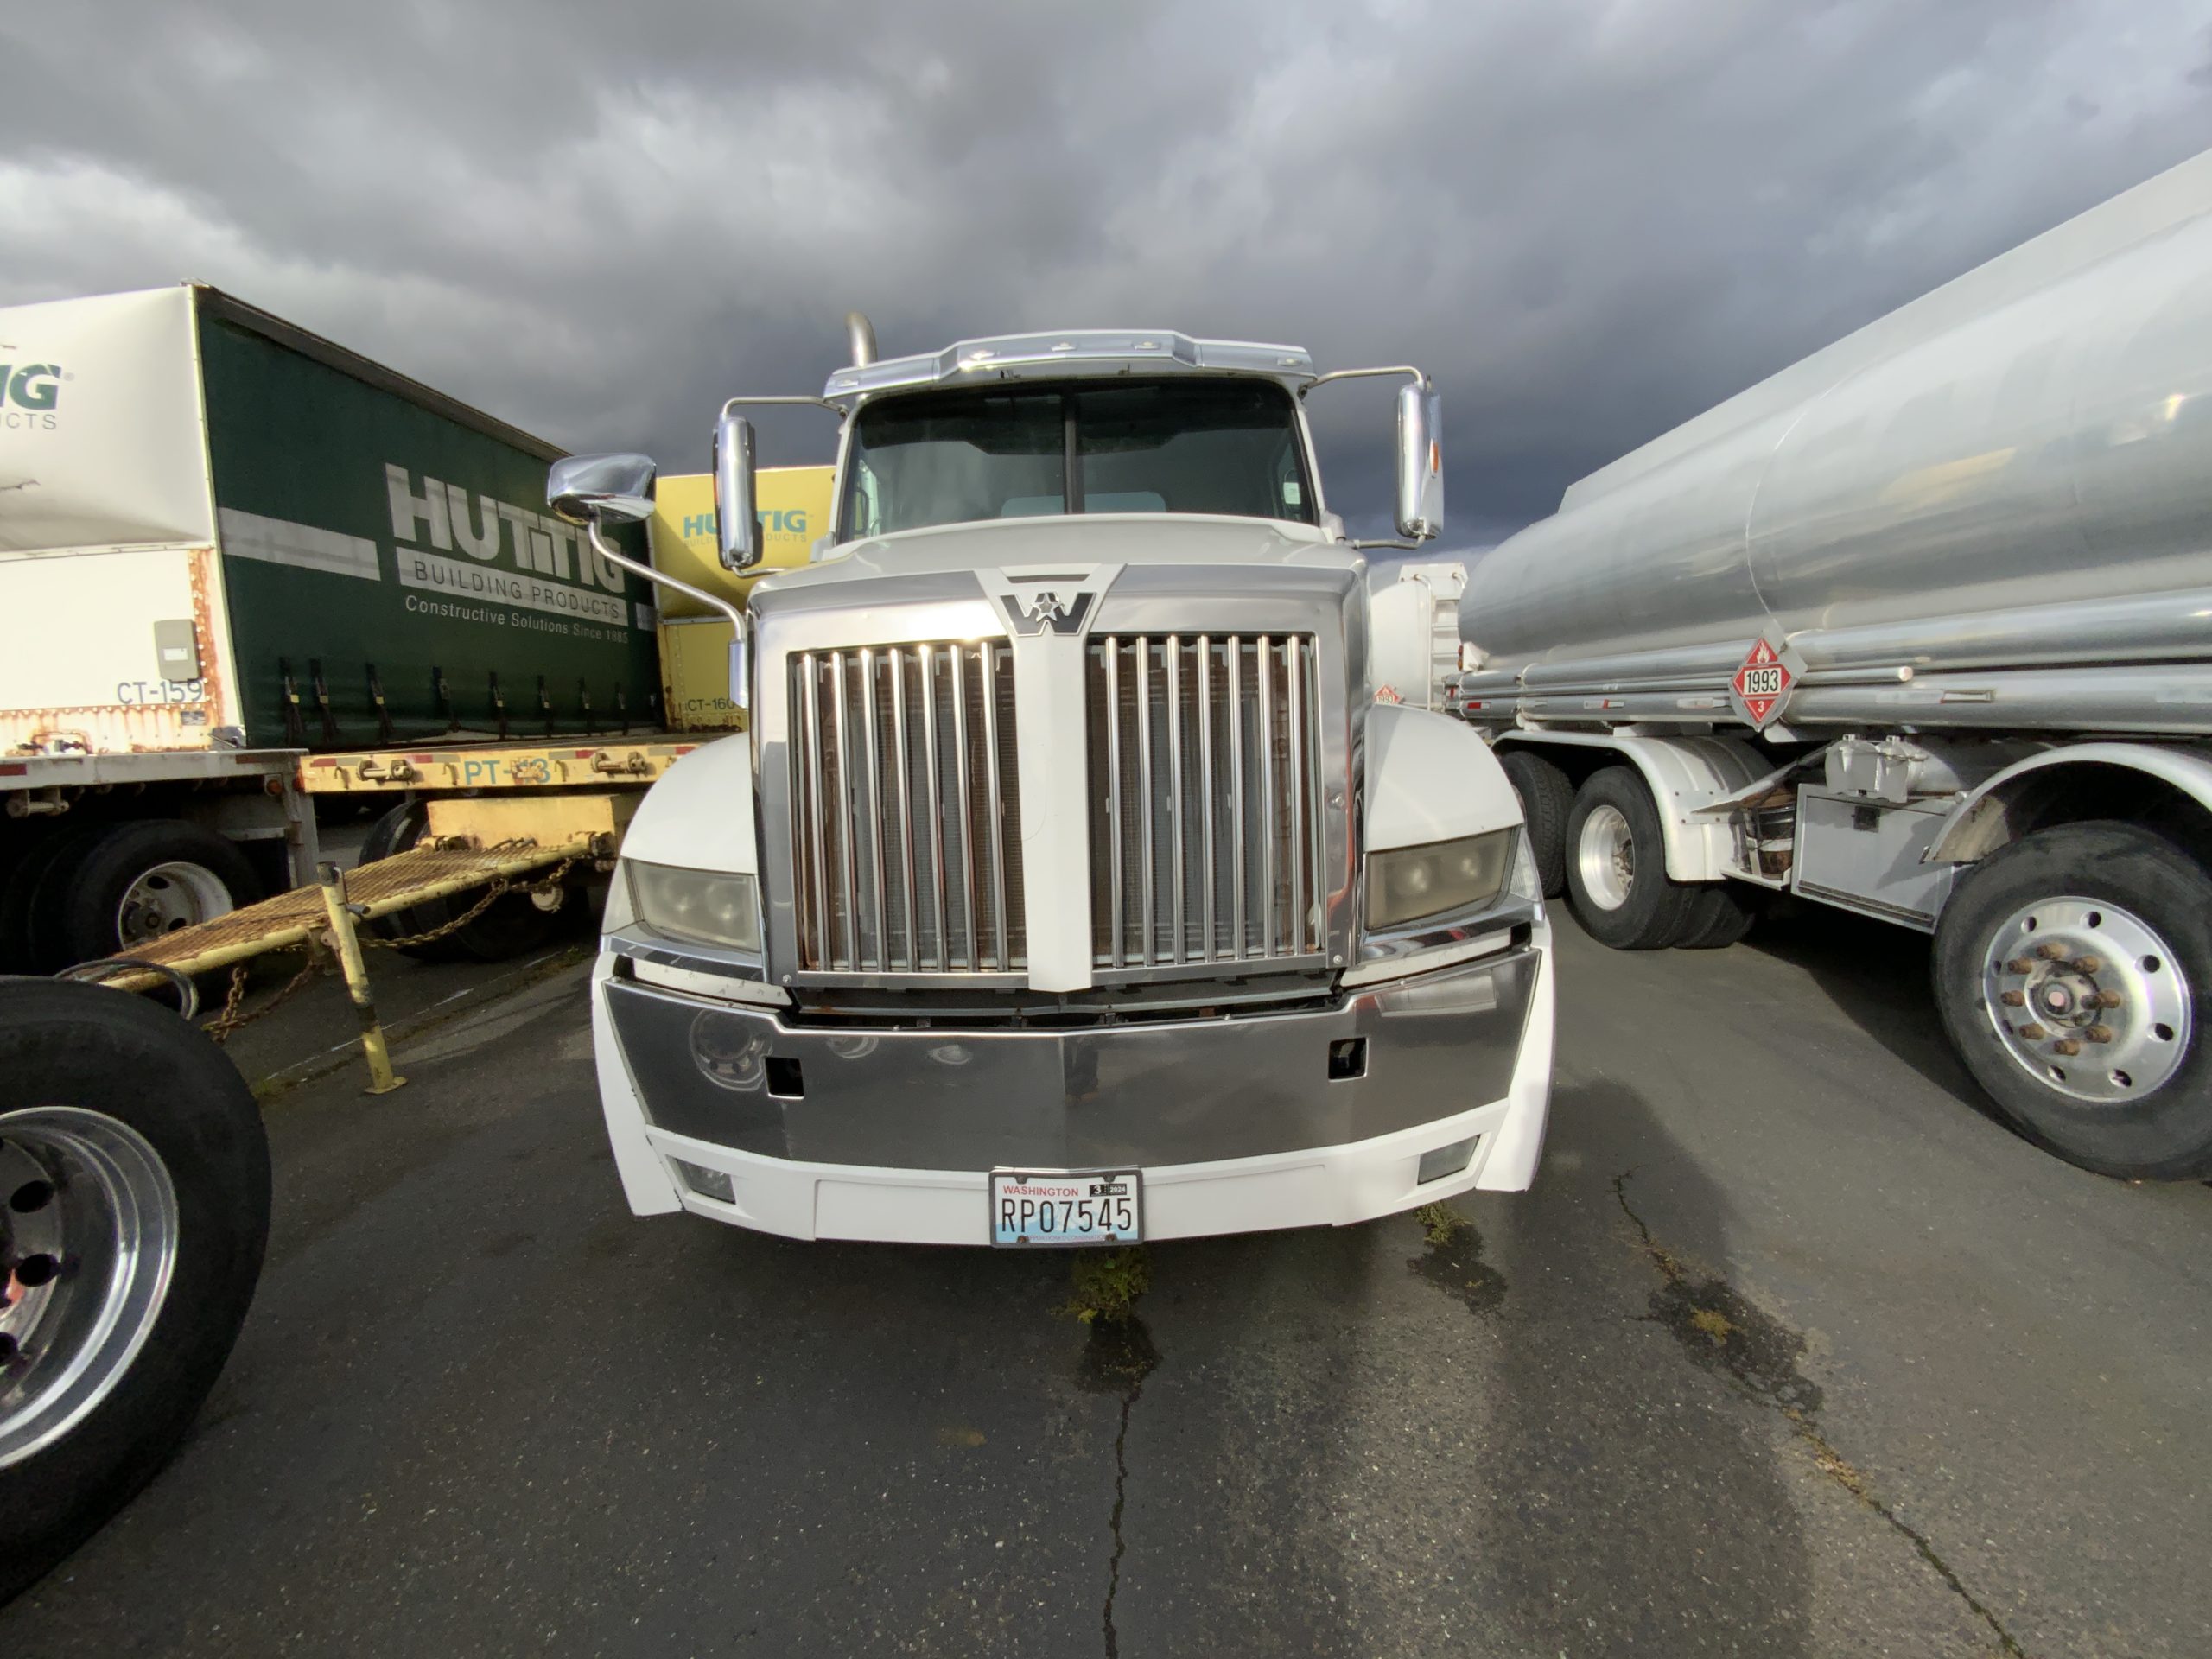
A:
<point x="1686" y="775"/>
<point x="700" y="814"/>
<point x="1981" y="822"/>
<point x="1430" y="778"/>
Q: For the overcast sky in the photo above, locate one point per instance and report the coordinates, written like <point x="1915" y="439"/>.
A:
<point x="1589" y="221"/>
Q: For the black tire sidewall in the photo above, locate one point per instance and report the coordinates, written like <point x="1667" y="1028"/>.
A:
<point x="84" y="889"/>
<point x="89" y="1046"/>
<point x="395" y="832"/>
<point x="1653" y="916"/>
<point x="1546" y="799"/>
<point x="2165" y="1135"/>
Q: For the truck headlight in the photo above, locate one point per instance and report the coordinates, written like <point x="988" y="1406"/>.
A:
<point x="1410" y="882"/>
<point x="711" y="907"/>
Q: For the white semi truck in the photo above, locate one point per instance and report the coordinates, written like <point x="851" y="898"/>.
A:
<point x="1920" y="627"/>
<point x="1071" y="885"/>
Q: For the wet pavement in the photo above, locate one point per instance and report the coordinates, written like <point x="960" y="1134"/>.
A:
<point x="1791" y="1350"/>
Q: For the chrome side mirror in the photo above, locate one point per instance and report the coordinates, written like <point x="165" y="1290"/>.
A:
<point x="1420" y="462"/>
<point x="585" y="488"/>
<point x="737" y="521"/>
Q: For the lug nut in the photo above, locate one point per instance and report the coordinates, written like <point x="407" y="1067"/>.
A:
<point x="2021" y="965"/>
<point x="2051" y="952"/>
<point x="2013" y="998"/>
<point x="2033" y="1032"/>
<point x="2099" y="1033"/>
<point x="2066" y="1045"/>
<point x="2107" y="1000"/>
<point x="2087" y="964"/>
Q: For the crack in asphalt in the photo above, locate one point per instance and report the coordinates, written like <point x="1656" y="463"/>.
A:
<point x="1762" y="1365"/>
<point x="1118" y="1359"/>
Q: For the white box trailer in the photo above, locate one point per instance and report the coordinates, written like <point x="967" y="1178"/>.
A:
<point x="1919" y="627"/>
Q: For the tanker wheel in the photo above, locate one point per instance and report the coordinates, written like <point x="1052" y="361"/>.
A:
<point x="1546" y="799"/>
<point x="134" y="1209"/>
<point x="1721" y="914"/>
<point x="2074" y="972"/>
<point x="511" y="924"/>
<point x="1617" y="865"/>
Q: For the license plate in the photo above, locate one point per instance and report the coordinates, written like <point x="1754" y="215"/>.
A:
<point x="1084" y="1206"/>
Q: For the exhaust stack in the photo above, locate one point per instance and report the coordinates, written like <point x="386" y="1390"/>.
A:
<point x="862" y="332"/>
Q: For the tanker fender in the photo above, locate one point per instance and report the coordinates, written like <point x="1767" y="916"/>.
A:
<point x="1987" y="820"/>
<point x="1686" y="776"/>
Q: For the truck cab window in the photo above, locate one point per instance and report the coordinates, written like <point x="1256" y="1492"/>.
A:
<point x="1201" y="446"/>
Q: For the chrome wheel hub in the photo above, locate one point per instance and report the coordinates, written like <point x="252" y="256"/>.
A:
<point x="1604" y="857"/>
<point x="2087" y="997"/>
<point x="88" y="1230"/>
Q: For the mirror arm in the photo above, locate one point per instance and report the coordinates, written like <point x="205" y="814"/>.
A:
<point x="740" y="637"/>
<point x="1410" y="547"/>
<point x="1405" y="369"/>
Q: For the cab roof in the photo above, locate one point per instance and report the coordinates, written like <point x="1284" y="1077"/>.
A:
<point x="1071" y="352"/>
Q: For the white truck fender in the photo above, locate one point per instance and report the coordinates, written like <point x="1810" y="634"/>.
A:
<point x="1430" y="778"/>
<point x="1686" y="775"/>
<point x="700" y="814"/>
<point x="1978" y="826"/>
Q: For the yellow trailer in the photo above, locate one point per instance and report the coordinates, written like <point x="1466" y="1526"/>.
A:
<point x="694" y="641"/>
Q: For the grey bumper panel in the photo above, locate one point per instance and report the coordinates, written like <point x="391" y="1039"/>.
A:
<point x="1148" y="1094"/>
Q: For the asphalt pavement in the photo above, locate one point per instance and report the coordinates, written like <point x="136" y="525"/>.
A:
<point x="1792" y="1349"/>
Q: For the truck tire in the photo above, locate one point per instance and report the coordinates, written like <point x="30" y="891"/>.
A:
<point x="1617" y="865"/>
<point x="19" y="891"/>
<point x="116" y="888"/>
<point x="395" y="832"/>
<point x="512" y="925"/>
<point x="2113" y="927"/>
<point x="1721" y="914"/>
<point x="1546" y="799"/>
<point x="129" y="1146"/>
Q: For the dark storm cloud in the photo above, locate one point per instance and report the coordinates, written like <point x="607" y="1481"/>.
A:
<point x="1589" y="221"/>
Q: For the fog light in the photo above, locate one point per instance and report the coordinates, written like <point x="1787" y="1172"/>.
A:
<point x="715" y="1184"/>
<point x="1445" y="1160"/>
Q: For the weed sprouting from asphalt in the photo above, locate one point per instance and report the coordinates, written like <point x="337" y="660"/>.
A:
<point x="1440" y="1222"/>
<point x="1105" y="1284"/>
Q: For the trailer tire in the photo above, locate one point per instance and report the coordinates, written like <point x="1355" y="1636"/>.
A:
<point x="2137" y="1105"/>
<point x="1720" y="914"/>
<point x="395" y="832"/>
<point x="1546" y="797"/>
<point x="1617" y="879"/>
<point x="180" y="1169"/>
<point x="509" y="925"/>
<point x="116" y="888"/>
<point x="19" y="892"/>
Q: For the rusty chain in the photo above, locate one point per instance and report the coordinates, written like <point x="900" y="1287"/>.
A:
<point x="220" y="1027"/>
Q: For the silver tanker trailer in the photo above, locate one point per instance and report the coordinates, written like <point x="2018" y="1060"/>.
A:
<point x="1919" y="627"/>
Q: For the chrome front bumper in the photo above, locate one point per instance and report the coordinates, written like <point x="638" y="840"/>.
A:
<point x="1169" y="1091"/>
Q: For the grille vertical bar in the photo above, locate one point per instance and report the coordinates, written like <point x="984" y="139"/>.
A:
<point x="1206" y="827"/>
<point x="906" y="811"/>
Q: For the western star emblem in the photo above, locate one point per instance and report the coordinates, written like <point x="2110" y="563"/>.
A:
<point x="1052" y="600"/>
<point x="1048" y="607"/>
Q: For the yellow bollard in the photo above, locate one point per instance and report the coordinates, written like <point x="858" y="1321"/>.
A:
<point x="382" y="1079"/>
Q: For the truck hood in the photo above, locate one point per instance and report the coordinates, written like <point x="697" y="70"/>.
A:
<point x="1127" y="573"/>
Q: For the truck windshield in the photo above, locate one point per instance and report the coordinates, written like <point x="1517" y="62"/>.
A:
<point x="1216" y="445"/>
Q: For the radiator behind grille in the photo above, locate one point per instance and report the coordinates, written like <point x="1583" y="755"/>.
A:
<point x="1206" y="832"/>
<point x="906" y="809"/>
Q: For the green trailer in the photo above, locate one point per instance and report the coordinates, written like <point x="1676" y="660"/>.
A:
<point x="225" y="541"/>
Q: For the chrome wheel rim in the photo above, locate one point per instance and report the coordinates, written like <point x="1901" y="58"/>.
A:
<point x="169" y="897"/>
<point x="88" y="1231"/>
<point x="1606" y="855"/>
<point x="2088" y="998"/>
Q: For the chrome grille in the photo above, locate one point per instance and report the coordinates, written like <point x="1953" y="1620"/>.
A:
<point x="906" y="809"/>
<point x="1207" y="833"/>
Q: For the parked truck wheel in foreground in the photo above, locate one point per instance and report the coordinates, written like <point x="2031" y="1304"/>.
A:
<point x="1071" y="886"/>
<point x="132" y="1222"/>
<point x="1917" y="628"/>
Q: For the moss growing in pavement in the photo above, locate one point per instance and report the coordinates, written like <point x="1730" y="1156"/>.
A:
<point x="1105" y="1284"/>
<point x="1440" y="1222"/>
